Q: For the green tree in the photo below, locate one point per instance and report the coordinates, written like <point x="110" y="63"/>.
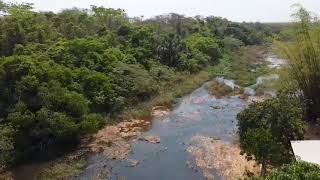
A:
<point x="304" y="60"/>
<point x="91" y="123"/>
<point x="232" y="44"/>
<point x="266" y="129"/>
<point x="108" y="17"/>
<point x="62" y="73"/>
<point x="206" y="45"/>
<point x="169" y="50"/>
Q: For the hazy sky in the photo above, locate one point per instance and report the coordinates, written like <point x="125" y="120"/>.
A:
<point x="236" y="10"/>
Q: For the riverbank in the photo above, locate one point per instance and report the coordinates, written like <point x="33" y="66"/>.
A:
<point x="72" y="163"/>
<point x="118" y="143"/>
<point x="202" y="113"/>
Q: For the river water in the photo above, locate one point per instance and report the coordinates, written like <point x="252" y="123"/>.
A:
<point x="197" y="114"/>
<point x="193" y="115"/>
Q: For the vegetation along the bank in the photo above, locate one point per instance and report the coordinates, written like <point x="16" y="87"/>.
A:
<point x="62" y="75"/>
<point x="266" y="128"/>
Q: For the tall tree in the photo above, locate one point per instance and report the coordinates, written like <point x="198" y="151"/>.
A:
<point x="303" y="53"/>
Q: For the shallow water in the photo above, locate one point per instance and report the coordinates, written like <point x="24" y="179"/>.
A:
<point x="275" y="62"/>
<point x="194" y="115"/>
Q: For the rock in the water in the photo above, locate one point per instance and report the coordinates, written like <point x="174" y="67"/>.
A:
<point x="112" y="141"/>
<point x="133" y="163"/>
<point x="217" y="107"/>
<point x="150" y="139"/>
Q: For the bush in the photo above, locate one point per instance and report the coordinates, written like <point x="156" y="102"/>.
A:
<point x="91" y="123"/>
<point x="266" y="129"/>
<point x="6" y="145"/>
<point x="206" y="45"/>
<point x="232" y="44"/>
<point x="297" y="171"/>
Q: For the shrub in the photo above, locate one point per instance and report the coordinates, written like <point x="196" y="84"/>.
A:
<point x="266" y="129"/>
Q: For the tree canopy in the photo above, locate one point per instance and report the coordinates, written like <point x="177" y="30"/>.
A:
<point x="62" y="73"/>
<point x="266" y="129"/>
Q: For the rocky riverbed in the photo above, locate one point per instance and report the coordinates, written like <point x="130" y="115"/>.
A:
<point x="196" y="139"/>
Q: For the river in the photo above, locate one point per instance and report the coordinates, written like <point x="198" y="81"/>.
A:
<point x="198" y="114"/>
<point x="193" y="115"/>
<point x="198" y="140"/>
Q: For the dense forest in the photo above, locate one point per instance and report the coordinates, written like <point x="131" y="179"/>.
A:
<point x="62" y="75"/>
<point x="65" y="75"/>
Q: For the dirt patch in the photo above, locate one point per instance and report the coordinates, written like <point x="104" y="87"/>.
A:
<point x="113" y="142"/>
<point x="215" y="154"/>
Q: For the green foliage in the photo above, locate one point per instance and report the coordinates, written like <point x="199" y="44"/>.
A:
<point x="304" y="62"/>
<point x="6" y="145"/>
<point x="134" y="82"/>
<point x="206" y="45"/>
<point x="232" y="44"/>
<point x="239" y="65"/>
<point x="91" y="123"/>
<point x="62" y="169"/>
<point x="297" y="171"/>
<point x="170" y="49"/>
<point x="266" y="129"/>
<point x="62" y="73"/>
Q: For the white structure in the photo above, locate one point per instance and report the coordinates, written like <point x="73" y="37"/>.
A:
<point x="308" y="151"/>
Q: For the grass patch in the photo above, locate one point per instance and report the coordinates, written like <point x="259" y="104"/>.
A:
<point x="180" y="84"/>
<point x="62" y="169"/>
<point x="244" y="66"/>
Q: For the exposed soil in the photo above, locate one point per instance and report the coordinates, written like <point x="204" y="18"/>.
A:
<point x="112" y="141"/>
<point x="210" y="153"/>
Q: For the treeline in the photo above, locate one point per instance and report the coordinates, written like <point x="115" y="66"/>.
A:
<point x="62" y="73"/>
